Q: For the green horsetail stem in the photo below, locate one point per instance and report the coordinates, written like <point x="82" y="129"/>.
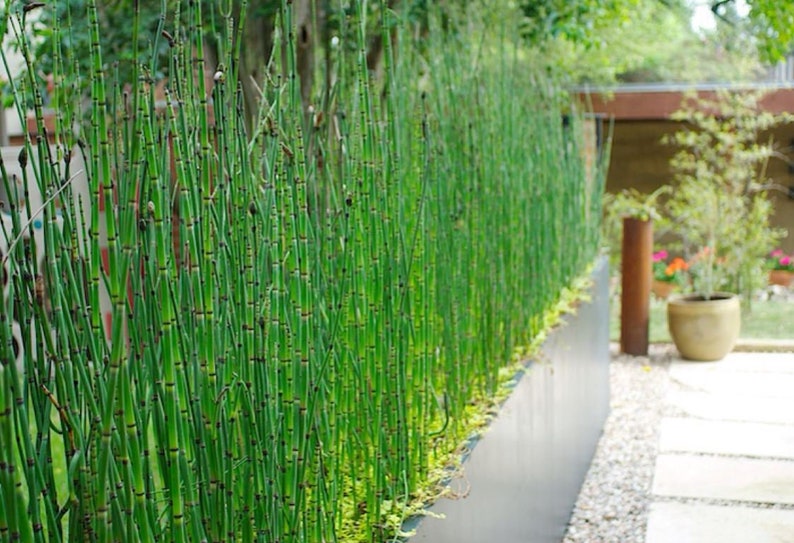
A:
<point x="305" y="321"/>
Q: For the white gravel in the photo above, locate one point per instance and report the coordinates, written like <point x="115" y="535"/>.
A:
<point x="613" y="503"/>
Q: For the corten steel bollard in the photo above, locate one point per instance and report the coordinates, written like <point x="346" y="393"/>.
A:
<point x="636" y="285"/>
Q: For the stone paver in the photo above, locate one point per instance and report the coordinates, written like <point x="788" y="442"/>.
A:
<point x="776" y="362"/>
<point x="724" y="478"/>
<point x="711" y="378"/>
<point x="733" y="407"/>
<point x="726" y="438"/>
<point x="699" y="523"/>
<point x="725" y="468"/>
<point x="766" y="345"/>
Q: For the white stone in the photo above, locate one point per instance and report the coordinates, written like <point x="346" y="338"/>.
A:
<point x="733" y="407"/>
<point x="697" y="523"/>
<point x="727" y="438"/>
<point x="724" y="478"/>
<point x="776" y="362"/>
<point x="710" y="377"/>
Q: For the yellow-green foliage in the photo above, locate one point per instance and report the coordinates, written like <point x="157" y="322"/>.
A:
<point x="719" y="209"/>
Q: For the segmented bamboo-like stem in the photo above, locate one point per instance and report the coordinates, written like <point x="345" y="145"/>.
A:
<point x="305" y="320"/>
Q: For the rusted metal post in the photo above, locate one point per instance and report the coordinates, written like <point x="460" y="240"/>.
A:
<point x="635" y="295"/>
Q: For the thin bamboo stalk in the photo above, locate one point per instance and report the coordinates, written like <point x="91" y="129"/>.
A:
<point x="306" y="321"/>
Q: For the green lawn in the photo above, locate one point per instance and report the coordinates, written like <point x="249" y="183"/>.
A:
<point x="765" y="320"/>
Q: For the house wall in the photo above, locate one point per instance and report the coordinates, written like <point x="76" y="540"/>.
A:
<point x="640" y="160"/>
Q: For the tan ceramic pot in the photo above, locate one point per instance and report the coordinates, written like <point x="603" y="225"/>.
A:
<point x="704" y="329"/>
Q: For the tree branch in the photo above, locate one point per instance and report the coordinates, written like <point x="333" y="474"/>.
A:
<point x="715" y="7"/>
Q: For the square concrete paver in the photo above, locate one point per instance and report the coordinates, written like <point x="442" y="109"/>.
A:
<point x="733" y="407"/>
<point x="724" y="478"/>
<point x="728" y="438"/>
<point x="697" y="523"/>
<point x="782" y="362"/>
<point x="708" y="377"/>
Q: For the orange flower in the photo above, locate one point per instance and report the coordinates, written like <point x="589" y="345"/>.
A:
<point x="677" y="264"/>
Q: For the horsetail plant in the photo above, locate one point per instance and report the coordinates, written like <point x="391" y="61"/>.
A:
<point x="283" y="334"/>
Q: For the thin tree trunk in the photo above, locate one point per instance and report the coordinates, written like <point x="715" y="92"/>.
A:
<point x="255" y="57"/>
<point x="375" y="46"/>
<point x="304" y="41"/>
<point x="257" y="49"/>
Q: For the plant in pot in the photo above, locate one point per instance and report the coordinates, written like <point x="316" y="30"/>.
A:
<point x="667" y="276"/>
<point x="719" y="211"/>
<point x="781" y="268"/>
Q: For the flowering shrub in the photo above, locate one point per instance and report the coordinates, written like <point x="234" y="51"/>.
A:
<point x="778" y="260"/>
<point x="674" y="271"/>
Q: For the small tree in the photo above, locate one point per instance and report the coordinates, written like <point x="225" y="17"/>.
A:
<point x="719" y="207"/>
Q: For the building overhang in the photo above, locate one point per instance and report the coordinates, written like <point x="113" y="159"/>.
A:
<point x="659" y="102"/>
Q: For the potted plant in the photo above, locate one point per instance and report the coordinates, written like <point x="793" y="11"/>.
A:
<point x="781" y="268"/>
<point x="719" y="212"/>
<point x="667" y="276"/>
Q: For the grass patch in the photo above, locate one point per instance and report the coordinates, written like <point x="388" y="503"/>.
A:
<point x="764" y="320"/>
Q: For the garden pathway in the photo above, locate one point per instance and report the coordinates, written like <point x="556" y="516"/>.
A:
<point x="725" y="465"/>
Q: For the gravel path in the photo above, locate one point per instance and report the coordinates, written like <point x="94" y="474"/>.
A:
<point x="613" y="503"/>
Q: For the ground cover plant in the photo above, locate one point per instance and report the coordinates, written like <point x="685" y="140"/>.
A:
<point x="282" y="334"/>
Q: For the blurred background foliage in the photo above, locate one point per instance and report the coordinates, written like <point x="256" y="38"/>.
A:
<point x="579" y="41"/>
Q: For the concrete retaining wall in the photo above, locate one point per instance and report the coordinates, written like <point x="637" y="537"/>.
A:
<point x="523" y="476"/>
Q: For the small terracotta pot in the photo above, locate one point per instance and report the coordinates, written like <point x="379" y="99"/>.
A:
<point x="781" y="277"/>
<point x="662" y="289"/>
